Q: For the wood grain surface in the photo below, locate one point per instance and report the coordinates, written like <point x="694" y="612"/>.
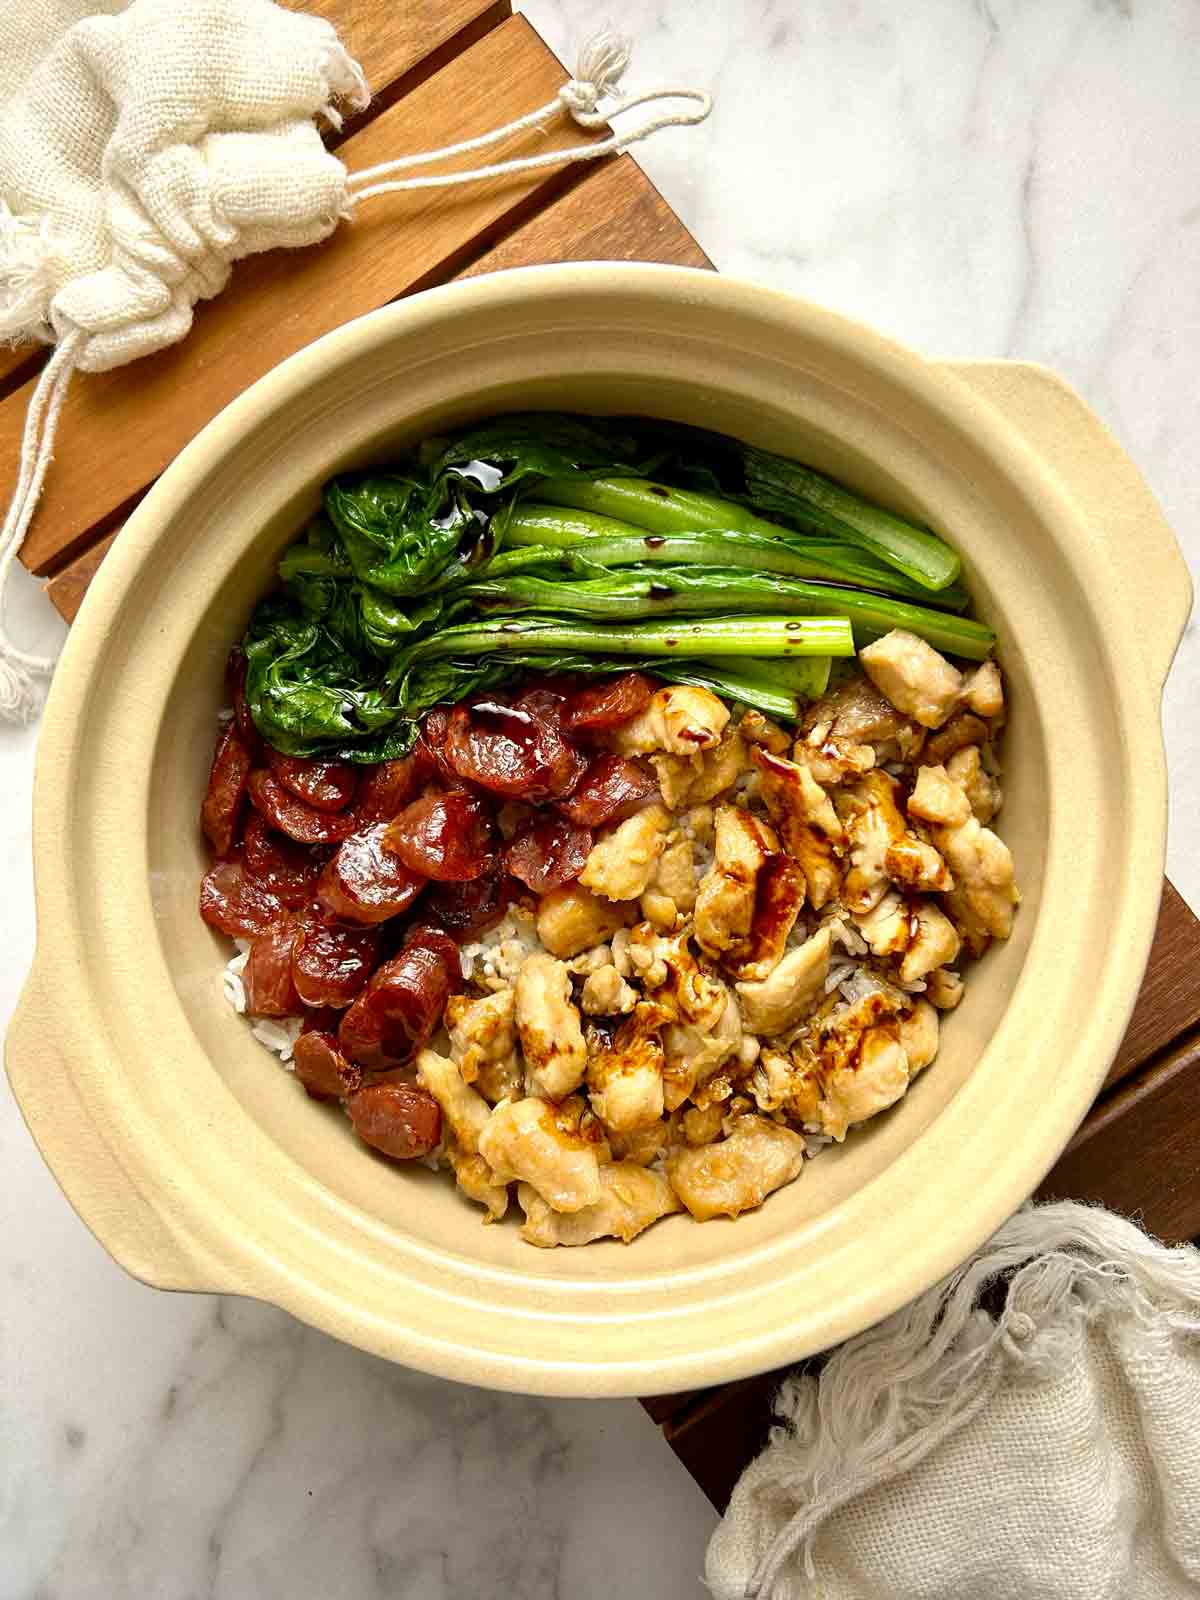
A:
<point x="1168" y="1005"/>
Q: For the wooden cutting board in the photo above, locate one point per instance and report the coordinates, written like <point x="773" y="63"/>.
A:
<point x="442" y="70"/>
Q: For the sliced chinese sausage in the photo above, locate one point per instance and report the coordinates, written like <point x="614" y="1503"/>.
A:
<point x="288" y="869"/>
<point x="363" y="882"/>
<point x="608" y="705"/>
<point x="611" y="789"/>
<point x="235" y="678"/>
<point x="402" y="1006"/>
<point x="321" y="1066"/>
<point x="331" y="964"/>
<point x="399" y="1119"/>
<point x="290" y="815"/>
<point x="446" y="837"/>
<point x="512" y="751"/>
<point x="267" y="976"/>
<point x="469" y="909"/>
<point x="548" y="853"/>
<point x="235" y="903"/>
<point x="384" y="790"/>
<point x="226" y="792"/>
<point x="324" y="785"/>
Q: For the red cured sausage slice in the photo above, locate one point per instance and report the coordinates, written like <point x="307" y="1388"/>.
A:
<point x="227" y="782"/>
<point x="292" y="816"/>
<point x="385" y="789"/>
<point x="468" y="909"/>
<point x="612" y="788"/>
<point x="402" y="1005"/>
<point x="549" y="853"/>
<point x="516" y="751"/>
<point x="364" y="882"/>
<point x="236" y="904"/>
<point x="331" y="964"/>
<point x="324" y="785"/>
<point x="235" y="678"/>
<point x="267" y="975"/>
<point x="608" y="705"/>
<point x="322" y="1068"/>
<point x="288" y="869"/>
<point x="399" y="1119"/>
<point x="446" y="837"/>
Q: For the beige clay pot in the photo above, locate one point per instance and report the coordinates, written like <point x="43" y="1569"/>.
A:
<point x="199" y="1165"/>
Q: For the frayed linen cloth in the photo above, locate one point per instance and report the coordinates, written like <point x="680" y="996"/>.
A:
<point x="1048" y="1452"/>
<point x="147" y="147"/>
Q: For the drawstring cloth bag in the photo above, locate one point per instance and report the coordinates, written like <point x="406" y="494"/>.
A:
<point x="146" y="148"/>
<point x="1050" y="1452"/>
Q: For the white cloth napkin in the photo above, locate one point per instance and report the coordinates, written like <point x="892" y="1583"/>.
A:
<point x="1049" y="1453"/>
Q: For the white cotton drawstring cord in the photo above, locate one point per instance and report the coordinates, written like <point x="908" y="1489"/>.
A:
<point x="601" y="64"/>
<point x="19" y="668"/>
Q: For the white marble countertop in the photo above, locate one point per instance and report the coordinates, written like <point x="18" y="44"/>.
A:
<point x="976" y="178"/>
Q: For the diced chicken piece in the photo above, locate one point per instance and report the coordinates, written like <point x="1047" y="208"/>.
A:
<point x="680" y="719"/>
<point x="807" y="822"/>
<point x="887" y="927"/>
<point x="667" y="967"/>
<point x="963" y="729"/>
<point x="725" y="898"/>
<point x="589" y="961"/>
<point x="938" y="799"/>
<point x="738" y="1173"/>
<point x="910" y="673"/>
<point x="919" y="1031"/>
<point x="699" y="823"/>
<point x="779" y="1001"/>
<point x="872" y="1081"/>
<point x="659" y="911"/>
<point x="778" y="900"/>
<point x="693" y="1054"/>
<point x="882" y="848"/>
<point x="549" y="1026"/>
<point x="606" y="994"/>
<point x="933" y="942"/>
<point x="626" y="1083"/>
<point x="631" y="1198"/>
<point x="623" y="859"/>
<point x="965" y="768"/>
<point x="572" y="919"/>
<point x="694" y="780"/>
<point x="676" y="873"/>
<point x="523" y="1141"/>
<point x="619" y="945"/>
<point x="944" y="989"/>
<point x="483" y="1043"/>
<point x="774" y="1082"/>
<point x="983" y="692"/>
<point x="832" y="761"/>
<point x="466" y="1112"/>
<point x="757" y="729"/>
<point x="477" y="1181"/>
<point x="984" y="894"/>
<point x="641" y="1146"/>
<point x="855" y="713"/>
<point x="702" y="1126"/>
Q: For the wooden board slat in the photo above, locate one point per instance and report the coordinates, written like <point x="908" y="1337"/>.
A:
<point x="116" y="436"/>
<point x="1168" y="1005"/>
<point x="614" y="214"/>
<point x="389" y="38"/>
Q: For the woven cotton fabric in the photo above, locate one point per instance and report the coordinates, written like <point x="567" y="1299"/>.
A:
<point x="1049" y="1453"/>
<point x="145" y="149"/>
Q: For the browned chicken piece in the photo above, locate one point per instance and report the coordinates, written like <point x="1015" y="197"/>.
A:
<point x="807" y="822"/>
<point x="856" y="713"/>
<point x="916" y="930"/>
<point x="680" y="720"/>
<point x="984" y="894"/>
<point x="549" y="1027"/>
<point x="944" y="989"/>
<point x="832" y="761"/>
<point x="790" y="992"/>
<point x="483" y="1043"/>
<point x="966" y="769"/>
<point x="983" y="692"/>
<point x="642" y="1146"/>
<point x="919" y="1034"/>
<point x="631" y="1198"/>
<point x="675" y="877"/>
<point x="757" y="729"/>
<point x="874" y="1079"/>
<point x="606" y="994"/>
<point x="693" y="1054"/>
<point x="670" y="971"/>
<point x="910" y="673"/>
<point x="523" y="1141"/>
<point x="477" y="1181"/>
<point x="779" y="892"/>
<point x="466" y="1112"/>
<point x="702" y="1126"/>
<point x="725" y="898"/>
<point x="622" y="861"/>
<point x="962" y="729"/>
<point x="883" y="849"/>
<point x="572" y="919"/>
<point x="625" y="1082"/>
<point x="738" y="1173"/>
<point x="693" y="780"/>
